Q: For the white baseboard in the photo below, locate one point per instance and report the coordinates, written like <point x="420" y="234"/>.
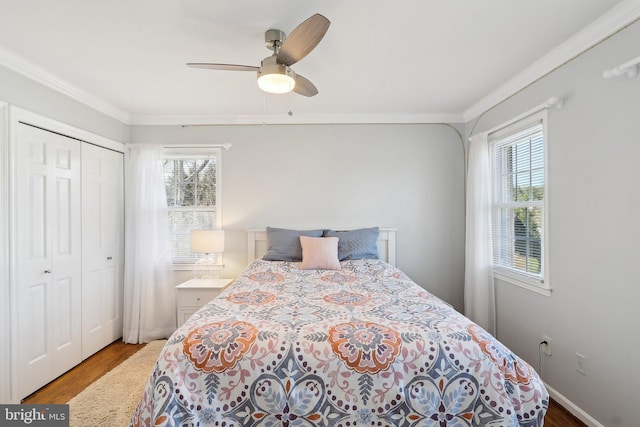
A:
<point x="572" y="407"/>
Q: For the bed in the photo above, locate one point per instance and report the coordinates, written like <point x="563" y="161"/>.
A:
<point x="358" y="345"/>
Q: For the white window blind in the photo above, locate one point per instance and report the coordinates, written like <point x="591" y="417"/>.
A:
<point x="191" y="182"/>
<point x="518" y="204"/>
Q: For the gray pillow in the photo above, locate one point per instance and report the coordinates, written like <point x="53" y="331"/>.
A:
<point x="284" y="244"/>
<point x="356" y="244"/>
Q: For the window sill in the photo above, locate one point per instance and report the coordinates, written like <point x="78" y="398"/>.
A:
<point x="508" y="278"/>
<point x="182" y="267"/>
<point x="190" y="267"/>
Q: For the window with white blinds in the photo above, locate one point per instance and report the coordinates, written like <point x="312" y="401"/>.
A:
<point x="192" y="186"/>
<point x="518" y="223"/>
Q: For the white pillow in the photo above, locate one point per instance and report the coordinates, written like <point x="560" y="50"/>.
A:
<point x="319" y="253"/>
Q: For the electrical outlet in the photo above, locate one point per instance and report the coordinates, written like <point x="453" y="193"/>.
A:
<point x="546" y="348"/>
<point x="580" y="362"/>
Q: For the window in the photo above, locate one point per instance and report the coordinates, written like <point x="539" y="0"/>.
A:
<point x="518" y="211"/>
<point x="193" y="196"/>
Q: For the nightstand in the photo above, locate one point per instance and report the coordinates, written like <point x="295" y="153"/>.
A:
<point x="194" y="293"/>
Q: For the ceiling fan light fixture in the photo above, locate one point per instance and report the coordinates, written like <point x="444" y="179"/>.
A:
<point x="276" y="78"/>
<point x="274" y="73"/>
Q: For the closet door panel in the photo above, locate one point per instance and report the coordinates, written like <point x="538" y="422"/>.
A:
<point x="93" y="330"/>
<point x="111" y="290"/>
<point x="62" y="295"/>
<point x="91" y="311"/>
<point x="91" y="271"/>
<point x="113" y="232"/>
<point x="36" y="324"/>
<point x="34" y="361"/>
<point x="37" y="204"/>
<point x="66" y="252"/>
<point x="48" y="255"/>
<point x="34" y="339"/>
<point x="63" y="234"/>
<point x="102" y="208"/>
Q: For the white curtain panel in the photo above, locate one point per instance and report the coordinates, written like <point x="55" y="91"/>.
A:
<point x="479" y="299"/>
<point x="149" y="297"/>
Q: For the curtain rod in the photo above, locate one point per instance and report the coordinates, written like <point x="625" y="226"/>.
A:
<point x="225" y="146"/>
<point x="554" y="101"/>
<point x="630" y="68"/>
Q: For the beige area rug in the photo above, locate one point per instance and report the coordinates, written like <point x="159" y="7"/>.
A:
<point x="111" y="400"/>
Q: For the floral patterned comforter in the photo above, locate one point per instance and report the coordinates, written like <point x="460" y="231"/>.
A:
<point x="361" y="346"/>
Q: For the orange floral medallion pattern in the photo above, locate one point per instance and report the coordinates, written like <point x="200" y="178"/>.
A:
<point x="218" y="346"/>
<point x="365" y="346"/>
<point x="512" y="368"/>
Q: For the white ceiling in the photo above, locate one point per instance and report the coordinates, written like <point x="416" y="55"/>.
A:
<point x="409" y="60"/>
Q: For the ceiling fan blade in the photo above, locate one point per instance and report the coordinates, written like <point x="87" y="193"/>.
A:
<point x="303" y="39"/>
<point x="304" y="86"/>
<point x="226" y="67"/>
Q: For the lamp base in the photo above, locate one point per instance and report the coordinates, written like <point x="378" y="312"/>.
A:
<point x="207" y="268"/>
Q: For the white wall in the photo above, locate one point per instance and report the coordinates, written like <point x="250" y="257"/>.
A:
<point x="593" y="149"/>
<point x="404" y="176"/>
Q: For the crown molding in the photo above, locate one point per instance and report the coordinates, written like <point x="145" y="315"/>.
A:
<point x="324" y="119"/>
<point x="617" y="18"/>
<point x="26" y="68"/>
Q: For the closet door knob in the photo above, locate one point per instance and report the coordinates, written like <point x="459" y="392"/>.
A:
<point x="109" y="258"/>
<point x="47" y="272"/>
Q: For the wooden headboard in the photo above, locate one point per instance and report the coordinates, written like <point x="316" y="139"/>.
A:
<point x="257" y="244"/>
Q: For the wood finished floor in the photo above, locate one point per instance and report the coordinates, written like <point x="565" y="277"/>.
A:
<point x="64" y="388"/>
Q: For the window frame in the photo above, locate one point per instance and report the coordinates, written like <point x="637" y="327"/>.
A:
<point x="511" y="275"/>
<point x="198" y="153"/>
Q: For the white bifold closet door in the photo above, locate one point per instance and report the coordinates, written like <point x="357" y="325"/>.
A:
<point x="102" y="247"/>
<point x="47" y="333"/>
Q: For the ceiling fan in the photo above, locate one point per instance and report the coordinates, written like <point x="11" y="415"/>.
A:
<point x="274" y="73"/>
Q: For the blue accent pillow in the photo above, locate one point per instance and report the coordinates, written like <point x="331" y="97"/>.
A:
<point x="284" y="244"/>
<point x="356" y="244"/>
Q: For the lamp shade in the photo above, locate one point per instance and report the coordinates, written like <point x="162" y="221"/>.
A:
<point x="207" y="241"/>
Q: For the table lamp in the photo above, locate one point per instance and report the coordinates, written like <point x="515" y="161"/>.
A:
<point x="210" y="243"/>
